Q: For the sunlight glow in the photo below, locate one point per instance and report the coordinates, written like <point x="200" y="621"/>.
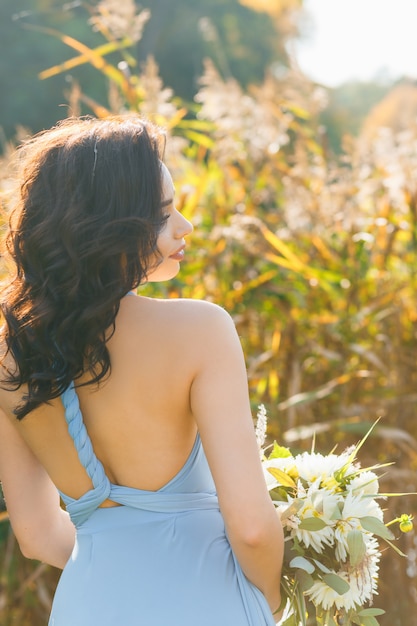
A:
<point x="358" y="39"/>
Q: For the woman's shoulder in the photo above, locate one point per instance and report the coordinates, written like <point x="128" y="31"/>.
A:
<point x="185" y="313"/>
<point x="185" y="331"/>
<point x="189" y="310"/>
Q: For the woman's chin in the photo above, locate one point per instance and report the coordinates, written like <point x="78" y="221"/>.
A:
<point x="163" y="274"/>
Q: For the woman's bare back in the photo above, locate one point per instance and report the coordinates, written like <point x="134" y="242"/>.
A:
<point x="139" y="419"/>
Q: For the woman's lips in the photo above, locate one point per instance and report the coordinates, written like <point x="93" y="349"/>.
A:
<point x="178" y="255"/>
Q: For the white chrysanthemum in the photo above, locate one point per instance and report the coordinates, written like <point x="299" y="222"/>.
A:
<point x="355" y="506"/>
<point x="364" y="483"/>
<point x="312" y="465"/>
<point x="313" y="508"/>
<point x="341" y="531"/>
<point x="325" y="502"/>
<point x="354" y="509"/>
<point x="326" y="597"/>
<point x="362" y="582"/>
<point x="316" y="539"/>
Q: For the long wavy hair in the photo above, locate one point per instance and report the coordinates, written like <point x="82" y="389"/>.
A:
<point x="82" y="234"/>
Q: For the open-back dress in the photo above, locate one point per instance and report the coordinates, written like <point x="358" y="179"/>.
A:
<point x="162" y="558"/>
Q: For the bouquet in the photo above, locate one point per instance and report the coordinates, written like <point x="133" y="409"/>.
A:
<point x="332" y="525"/>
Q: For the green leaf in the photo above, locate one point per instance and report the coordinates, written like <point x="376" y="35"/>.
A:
<point x="356" y="546"/>
<point x="375" y="526"/>
<point x="335" y="582"/>
<point x="372" y="612"/>
<point x="369" y="621"/>
<point x="304" y="579"/>
<point x="292" y="550"/>
<point x="302" y="563"/>
<point x="312" y="523"/>
<point x="282" y="477"/>
<point x="279" y="452"/>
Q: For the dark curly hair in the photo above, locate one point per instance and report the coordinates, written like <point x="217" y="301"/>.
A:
<point x="83" y="233"/>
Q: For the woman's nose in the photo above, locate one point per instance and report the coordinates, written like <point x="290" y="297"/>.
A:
<point x="184" y="226"/>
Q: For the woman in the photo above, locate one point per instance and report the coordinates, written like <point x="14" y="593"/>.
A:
<point x="134" y="409"/>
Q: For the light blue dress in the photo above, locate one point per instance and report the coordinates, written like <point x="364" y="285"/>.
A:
<point x="160" y="559"/>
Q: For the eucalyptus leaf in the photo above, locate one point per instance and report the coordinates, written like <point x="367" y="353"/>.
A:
<point x="356" y="546"/>
<point x="369" y="621"/>
<point x="304" y="579"/>
<point x="312" y="523"/>
<point x="374" y="525"/>
<point x="335" y="582"/>
<point x="371" y="612"/>
<point x="302" y="563"/>
<point x="293" y="549"/>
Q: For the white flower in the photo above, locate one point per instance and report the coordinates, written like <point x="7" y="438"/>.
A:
<point x="316" y="539"/>
<point x="326" y="502"/>
<point x="341" y="531"/>
<point x="317" y="508"/>
<point x="364" y="578"/>
<point x="356" y="507"/>
<point x="313" y="466"/>
<point x="323" y="502"/>
<point x="362" y="581"/>
<point x="326" y="597"/>
<point x="365" y="482"/>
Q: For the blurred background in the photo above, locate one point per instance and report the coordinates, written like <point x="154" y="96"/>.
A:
<point x="293" y="143"/>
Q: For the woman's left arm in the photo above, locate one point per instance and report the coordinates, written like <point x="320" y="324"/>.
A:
<point x="43" y="529"/>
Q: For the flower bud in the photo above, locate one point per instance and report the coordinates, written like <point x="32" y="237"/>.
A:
<point x="406" y="523"/>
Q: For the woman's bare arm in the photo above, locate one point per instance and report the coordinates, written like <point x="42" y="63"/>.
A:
<point x="220" y="403"/>
<point x="43" y="529"/>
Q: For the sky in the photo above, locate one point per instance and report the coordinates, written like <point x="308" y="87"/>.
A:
<point x="358" y="39"/>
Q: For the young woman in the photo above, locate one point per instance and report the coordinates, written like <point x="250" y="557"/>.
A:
<point x="135" y="410"/>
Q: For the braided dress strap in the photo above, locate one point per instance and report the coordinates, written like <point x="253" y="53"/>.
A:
<point x="82" y="508"/>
